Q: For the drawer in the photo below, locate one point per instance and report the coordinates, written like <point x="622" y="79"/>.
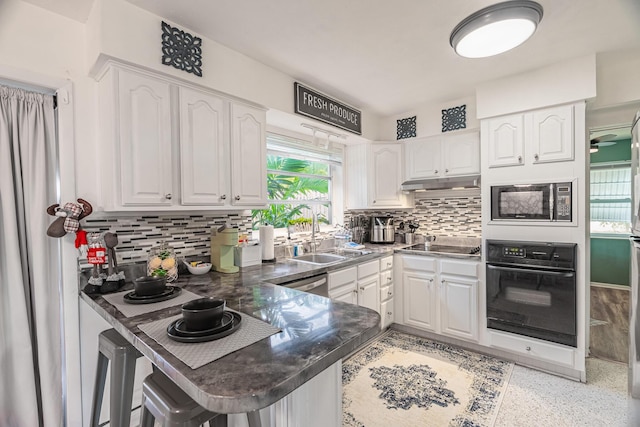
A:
<point x="386" y="263"/>
<point x="367" y="269"/>
<point x="536" y="349"/>
<point x="417" y="262"/>
<point x="386" y="293"/>
<point x="342" y="277"/>
<point x="459" y="268"/>
<point x="386" y="313"/>
<point x="386" y="278"/>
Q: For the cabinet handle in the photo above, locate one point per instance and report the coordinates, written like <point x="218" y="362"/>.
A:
<point x="362" y="288"/>
<point x="528" y="348"/>
<point x="446" y="171"/>
<point x="355" y="291"/>
<point x="223" y="197"/>
<point x="519" y="159"/>
<point x="168" y="196"/>
<point x="237" y="197"/>
<point x="436" y="171"/>
<point x="389" y="313"/>
<point x="374" y="201"/>
<point x="389" y="293"/>
<point x="388" y="265"/>
<point x="388" y="279"/>
<point x="536" y="157"/>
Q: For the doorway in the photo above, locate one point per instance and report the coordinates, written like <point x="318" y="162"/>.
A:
<point x="610" y="252"/>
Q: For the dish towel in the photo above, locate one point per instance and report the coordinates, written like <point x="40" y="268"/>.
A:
<point x="196" y="355"/>
<point x="131" y="310"/>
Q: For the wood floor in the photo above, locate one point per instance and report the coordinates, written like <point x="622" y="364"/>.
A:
<point x="609" y="323"/>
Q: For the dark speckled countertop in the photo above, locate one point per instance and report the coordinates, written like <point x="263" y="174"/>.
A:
<point x="316" y="333"/>
<point x="263" y="373"/>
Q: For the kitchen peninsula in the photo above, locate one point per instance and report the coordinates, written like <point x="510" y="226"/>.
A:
<point x="316" y="333"/>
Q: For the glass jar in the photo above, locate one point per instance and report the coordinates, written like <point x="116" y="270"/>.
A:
<point x="162" y="262"/>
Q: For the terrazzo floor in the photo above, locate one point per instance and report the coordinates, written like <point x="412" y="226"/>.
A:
<point x="534" y="399"/>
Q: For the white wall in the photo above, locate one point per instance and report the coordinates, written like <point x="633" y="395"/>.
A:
<point x="131" y="34"/>
<point x="429" y="118"/>
<point x="45" y="49"/>
<point x="568" y="81"/>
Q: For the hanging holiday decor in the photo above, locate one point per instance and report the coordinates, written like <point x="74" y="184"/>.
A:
<point x="181" y="50"/>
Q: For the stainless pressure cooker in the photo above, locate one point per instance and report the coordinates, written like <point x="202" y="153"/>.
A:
<point x="382" y="229"/>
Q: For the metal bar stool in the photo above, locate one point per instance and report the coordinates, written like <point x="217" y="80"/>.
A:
<point x="165" y="402"/>
<point x="113" y="347"/>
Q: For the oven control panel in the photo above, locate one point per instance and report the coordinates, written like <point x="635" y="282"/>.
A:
<point x="513" y="252"/>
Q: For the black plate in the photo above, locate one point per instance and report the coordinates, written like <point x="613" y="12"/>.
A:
<point x="170" y="292"/>
<point x="182" y="330"/>
<point x="235" y="325"/>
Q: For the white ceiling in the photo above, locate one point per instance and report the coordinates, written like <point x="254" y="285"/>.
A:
<point x="389" y="56"/>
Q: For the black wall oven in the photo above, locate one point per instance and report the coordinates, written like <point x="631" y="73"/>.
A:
<point x="531" y="289"/>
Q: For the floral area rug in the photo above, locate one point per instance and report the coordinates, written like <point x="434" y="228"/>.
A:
<point x="403" y="380"/>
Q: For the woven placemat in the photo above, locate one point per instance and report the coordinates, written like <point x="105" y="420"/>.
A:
<point x="131" y="310"/>
<point x="196" y="355"/>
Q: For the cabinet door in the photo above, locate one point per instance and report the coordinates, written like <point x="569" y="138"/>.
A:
<point x="506" y="141"/>
<point x="369" y="293"/>
<point x="423" y="158"/>
<point x="459" y="307"/>
<point x="204" y="168"/>
<point x="345" y="294"/>
<point x="248" y="156"/>
<point x="386" y="313"/>
<point x="461" y="154"/>
<point x="419" y="299"/>
<point x="552" y="134"/>
<point x="386" y="175"/>
<point x="144" y="118"/>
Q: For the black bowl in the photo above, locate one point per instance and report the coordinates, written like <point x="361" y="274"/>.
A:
<point x="150" y="285"/>
<point x="203" y="313"/>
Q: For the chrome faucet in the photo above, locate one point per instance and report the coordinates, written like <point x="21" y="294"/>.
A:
<point x="314" y="228"/>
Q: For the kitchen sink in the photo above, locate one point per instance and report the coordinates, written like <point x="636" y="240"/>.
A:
<point x="319" y="258"/>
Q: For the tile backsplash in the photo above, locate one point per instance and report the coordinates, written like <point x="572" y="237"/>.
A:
<point x="441" y="216"/>
<point x="190" y="235"/>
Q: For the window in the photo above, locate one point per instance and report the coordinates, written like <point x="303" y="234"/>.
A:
<point x="611" y="198"/>
<point x="302" y="179"/>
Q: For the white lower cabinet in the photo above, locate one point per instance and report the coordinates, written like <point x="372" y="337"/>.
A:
<point x="369" y="285"/>
<point x="440" y="295"/>
<point x="343" y="285"/>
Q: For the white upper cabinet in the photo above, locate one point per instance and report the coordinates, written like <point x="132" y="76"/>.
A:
<point x="144" y="155"/>
<point x="374" y="173"/>
<point x="203" y="164"/>
<point x="423" y="158"/>
<point x="168" y="145"/>
<point x="248" y="156"/>
<point x="443" y="156"/>
<point x="539" y="136"/>
<point x="506" y="141"/>
<point x="552" y="134"/>
<point x="386" y="175"/>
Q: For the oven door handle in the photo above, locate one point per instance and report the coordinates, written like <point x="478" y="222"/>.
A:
<point x="566" y="274"/>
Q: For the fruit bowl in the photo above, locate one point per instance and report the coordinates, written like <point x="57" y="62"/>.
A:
<point x="197" y="267"/>
<point x="162" y="263"/>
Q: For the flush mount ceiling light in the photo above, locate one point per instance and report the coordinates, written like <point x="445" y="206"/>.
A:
<point x="496" y="29"/>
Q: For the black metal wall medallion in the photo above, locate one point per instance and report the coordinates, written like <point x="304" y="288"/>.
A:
<point x="406" y="128"/>
<point x="454" y="118"/>
<point x="181" y="50"/>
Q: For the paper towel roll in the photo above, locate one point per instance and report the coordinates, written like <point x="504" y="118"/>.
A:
<point x="266" y="241"/>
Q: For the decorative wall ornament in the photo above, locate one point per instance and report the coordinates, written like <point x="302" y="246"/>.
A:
<point x="181" y="50"/>
<point x="454" y="118"/>
<point x="406" y="128"/>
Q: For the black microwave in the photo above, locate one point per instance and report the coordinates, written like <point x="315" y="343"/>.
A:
<point x="532" y="202"/>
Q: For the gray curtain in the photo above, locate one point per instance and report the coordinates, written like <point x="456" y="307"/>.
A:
<point x="30" y="297"/>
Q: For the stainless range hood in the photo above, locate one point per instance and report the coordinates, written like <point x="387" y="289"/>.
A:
<point x="471" y="181"/>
